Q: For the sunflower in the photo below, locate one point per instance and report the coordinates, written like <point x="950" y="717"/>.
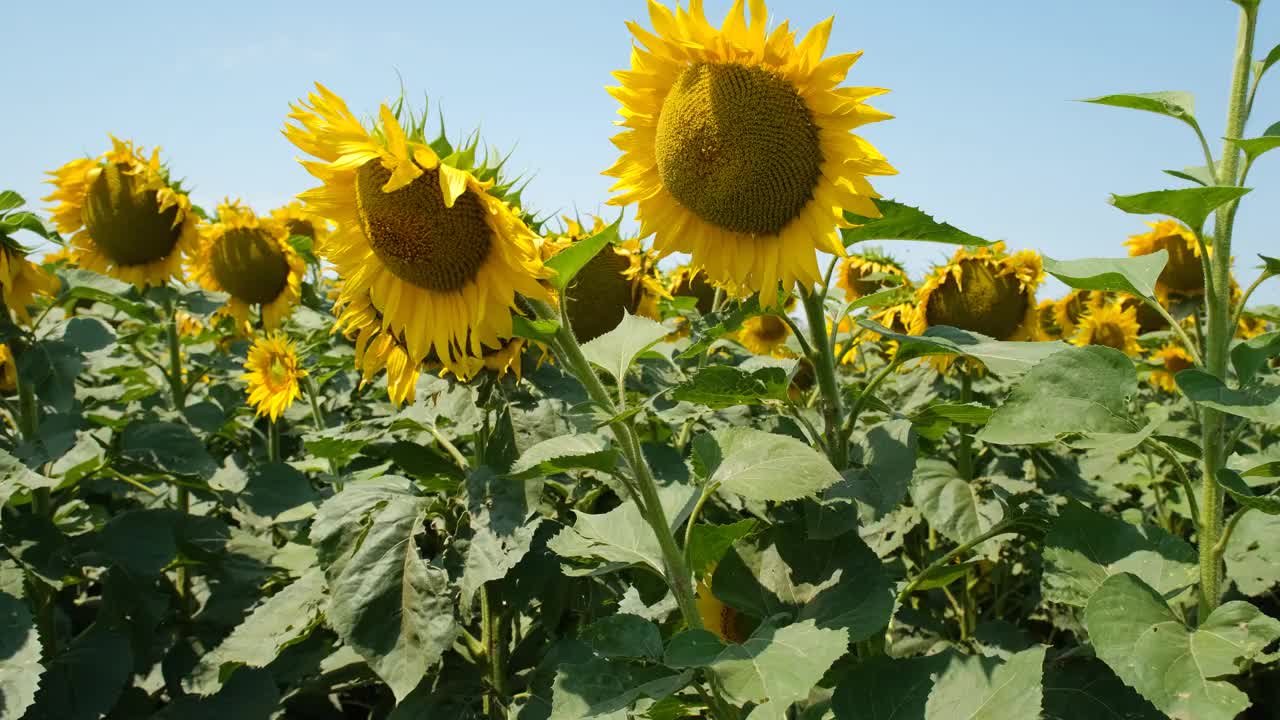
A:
<point x="377" y="348"/>
<point x="1175" y="359"/>
<point x="299" y="221"/>
<point x="1049" y="327"/>
<point x="1110" y="324"/>
<point x="1251" y="326"/>
<point x="250" y="259"/>
<point x="738" y="147"/>
<point x="765" y="335"/>
<point x="128" y="220"/>
<point x="21" y="280"/>
<point x="872" y="262"/>
<point x="273" y="375"/>
<point x="426" y="243"/>
<point x="687" y="281"/>
<point x="8" y="369"/>
<point x="189" y="326"/>
<point x="984" y="290"/>
<point x="717" y="617"/>
<point x="1184" y="274"/>
<point x="62" y="257"/>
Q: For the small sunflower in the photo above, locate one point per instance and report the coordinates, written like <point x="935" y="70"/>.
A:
<point x="273" y="375"/>
<point x="872" y="262"/>
<point x="62" y="257"/>
<point x="1174" y="359"/>
<point x="1109" y="324"/>
<point x="1049" y="327"/>
<point x="250" y="259"/>
<point x="984" y="290"/>
<point x="424" y="241"/>
<point x="1184" y="274"/>
<point x="8" y="369"/>
<point x="1068" y="309"/>
<point x="717" y="617"/>
<point x="739" y="148"/>
<point x="1251" y="326"/>
<point x="189" y="326"/>
<point x="128" y="220"/>
<point x="300" y="221"/>
<point x="687" y="281"/>
<point x="765" y="335"/>
<point x="21" y="280"/>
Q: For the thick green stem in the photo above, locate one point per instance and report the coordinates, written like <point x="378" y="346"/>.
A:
<point x="313" y="396"/>
<point x="1220" y="330"/>
<point x="964" y="451"/>
<point x="176" y="385"/>
<point x="824" y="366"/>
<point x="273" y="442"/>
<point x="495" y="631"/>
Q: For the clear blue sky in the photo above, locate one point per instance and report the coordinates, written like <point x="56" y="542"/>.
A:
<point x="985" y="135"/>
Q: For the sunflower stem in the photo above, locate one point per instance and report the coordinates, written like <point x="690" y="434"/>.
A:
<point x="176" y="386"/>
<point x="273" y="441"/>
<point x="824" y="366"/>
<point x="964" y="450"/>
<point x="1220" y="331"/>
<point x="313" y="396"/>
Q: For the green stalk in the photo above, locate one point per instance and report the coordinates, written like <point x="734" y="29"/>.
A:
<point x="494" y="635"/>
<point x="176" y="386"/>
<point x="273" y="442"/>
<point x="314" y="397"/>
<point x="964" y="451"/>
<point x="1219" y="312"/>
<point x="824" y="366"/>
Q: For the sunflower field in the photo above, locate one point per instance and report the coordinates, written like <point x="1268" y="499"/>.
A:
<point x="409" y="448"/>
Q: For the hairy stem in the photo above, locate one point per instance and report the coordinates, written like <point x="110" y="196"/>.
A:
<point x="824" y="366"/>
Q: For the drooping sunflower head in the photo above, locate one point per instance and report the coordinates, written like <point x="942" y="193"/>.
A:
<point x="421" y="232"/>
<point x="8" y="369"/>
<point x="1068" y="309"/>
<point x="128" y="220"/>
<point x="738" y="147"/>
<point x="1173" y="359"/>
<point x="1250" y="326"/>
<point x="273" y="375"/>
<point x="299" y="221"/>
<point x="765" y="335"/>
<point x="687" y="281"/>
<point x="984" y="290"/>
<point x="1049" y="327"/>
<point x="22" y="280"/>
<point x="189" y="326"/>
<point x="250" y="259"/>
<point x="1110" y="324"/>
<point x="859" y="274"/>
<point x="1183" y="274"/>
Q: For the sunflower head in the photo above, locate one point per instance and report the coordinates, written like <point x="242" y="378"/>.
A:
<point x="1068" y="309"/>
<point x="1110" y="324"/>
<point x="8" y="369"/>
<point x="724" y="621"/>
<point x="765" y="335"/>
<point x="620" y="279"/>
<point x="1184" y="274"/>
<point x="984" y="290"/>
<point x="250" y="259"/>
<point x="62" y="257"/>
<point x="1251" y="326"/>
<point x="1172" y="359"/>
<point x="858" y="274"/>
<point x="1049" y="327"/>
<point x="738" y="145"/>
<point x="423" y="238"/>
<point x="687" y="281"/>
<point x="128" y="220"/>
<point x="22" y="280"/>
<point x="298" y="221"/>
<point x="273" y="373"/>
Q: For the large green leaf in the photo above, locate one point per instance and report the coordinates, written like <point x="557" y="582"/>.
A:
<point x="20" y="652"/>
<point x="1133" y="275"/>
<point x="564" y="453"/>
<point x="1087" y="387"/>
<point x="1177" y="104"/>
<point x="624" y="635"/>
<point x="604" y="688"/>
<point x="617" y="349"/>
<point x="888" y="459"/>
<point x="168" y="447"/>
<point x="1007" y="359"/>
<point x="1083" y="548"/>
<point x="1237" y="488"/>
<point x="708" y="543"/>
<point x="722" y="386"/>
<point x="85" y="680"/>
<point x="1253" y="553"/>
<point x="16" y="478"/>
<point x="620" y="537"/>
<point x="762" y="466"/>
<point x="1182" y="671"/>
<point x="504" y="518"/>
<point x="1086" y="688"/>
<point x="1253" y="147"/>
<point x="903" y="222"/>
<point x="386" y="601"/>
<point x="1261" y="404"/>
<point x="1251" y="356"/>
<point x="982" y="688"/>
<point x="951" y="504"/>
<point x="884" y="688"/>
<point x="51" y="367"/>
<point x="572" y="259"/>
<point x="1190" y="205"/>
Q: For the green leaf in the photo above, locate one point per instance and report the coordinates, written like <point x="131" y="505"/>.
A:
<point x="1007" y="359"/>
<point x="1261" y="66"/>
<point x="1261" y="404"/>
<point x="282" y="620"/>
<point x="934" y="421"/>
<point x="1177" y="104"/>
<point x="1267" y="469"/>
<point x="722" y="386"/>
<point x="1087" y="387"/>
<point x="903" y="222"/>
<point x="617" y="349"/>
<point x="88" y="334"/>
<point x="1190" y="205"/>
<point x="709" y="543"/>
<point x="20" y="649"/>
<point x="982" y="688"/>
<point x="389" y="604"/>
<point x="1083" y="548"/>
<point x="1181" y="671"/>
<point x="1133" y="275"/>
<point x="1236" y="487"/>
<point x="623" y="635"/>
<point x="1254" y="147"/>
<point x="619" y="536"/>
<point x="52" y="366"/>
<point x="504" y="519"/>
<point x="1198" y="174"/>
<point x="605" y="689"/>
<point x="16" y="478"/>
<point x="888" y="458"/>
<point x="885" y="688"/>
<point x="1086" y="688"/>
<point x="951" y="505"/>
<point x="543" y="331"/>
<point x="9" y="200"/>
<point x="1250" y="356"/>
<point x="166" y="446"/>
<point x="762" y="466"/>
<point x="568" y="262"/>
<point x="565" y="453"/>
<point x="1188" y="448"/>
<point x="85" y="680"/>
<point x="943" y="575"/>
<point x="1253" y="553"/>
<point x="1270" y="265"/>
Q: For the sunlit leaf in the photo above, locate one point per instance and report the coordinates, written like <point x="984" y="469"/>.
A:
<point x="903" y="222"/>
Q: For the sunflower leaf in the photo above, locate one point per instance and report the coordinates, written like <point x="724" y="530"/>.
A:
<point x="1003" y="358"/>
<point x="1177" y="104"/>
<point x="1254" y="147"/>
<point x="617" y="349"/>
<point x="722" y="386"/>
<point x="1190" y="205"/>
<point x="1261" y="66"/>
<point x="20" y="648"/>
<point x="568" y="262"/>
<point x="1198" y="174"/>
<point x="1252" y="355"/>
<point x="1270" y="265"/>
<point x="903" y="222"/>
<point x="1258" y="404"/>
<point x="1236" y="487"/>
<point x="762" y="466"/>
<point x="1133" y="275"/>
